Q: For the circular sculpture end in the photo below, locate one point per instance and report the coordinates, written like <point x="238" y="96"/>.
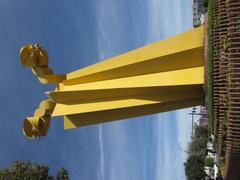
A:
<point x="33" y="56"/>
<point x="36" y="126"/>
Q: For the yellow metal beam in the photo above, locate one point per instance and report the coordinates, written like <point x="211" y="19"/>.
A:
<point x="188" y="76"/>
<point x="99" y="94"/>
<point x="78" y="120"/>
<point x="177" y="52"/>
<point x="122" y="102"/>
<point x="162" y="76"/>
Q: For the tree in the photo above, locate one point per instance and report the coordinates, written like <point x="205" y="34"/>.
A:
<point x="194" y="168"/>
<point x="25" y="170"/>
<point x="201" y="131"/>
<point x="62" y="174"/>
<point x="198" y="147"/>
<point x="198" y="144"/>
<point x="194" y="165"/>
<point x="209" y="162"/>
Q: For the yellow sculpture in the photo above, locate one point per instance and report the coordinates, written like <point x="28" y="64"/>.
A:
<point x="159" y="77"/>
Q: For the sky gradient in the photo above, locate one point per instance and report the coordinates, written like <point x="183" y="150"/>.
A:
<point x="76" y="34"/>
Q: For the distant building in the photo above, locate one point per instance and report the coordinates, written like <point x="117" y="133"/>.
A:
<point x="203" y="119"/>
<point x="198" y="13"/>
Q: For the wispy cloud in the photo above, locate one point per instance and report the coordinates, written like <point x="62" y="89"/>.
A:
<point x="101" y="149"/>
<point x="170" y="132"/>
<point x="184" y="129"/>
<point x="167" y="158"/>
<point x="168" y="17"/>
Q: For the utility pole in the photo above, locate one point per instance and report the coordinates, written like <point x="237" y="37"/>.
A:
<point x="193" y="113"/>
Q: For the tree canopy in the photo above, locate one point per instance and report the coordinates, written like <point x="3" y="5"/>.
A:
<point x="194" y="165"/>
<point x="26" y="170"/>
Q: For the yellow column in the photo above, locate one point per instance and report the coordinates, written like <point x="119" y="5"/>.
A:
<point x="162" y="76"/>
<point x="177" y="52"/>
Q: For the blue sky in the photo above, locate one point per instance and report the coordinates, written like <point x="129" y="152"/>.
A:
<point x="76" y="34"/>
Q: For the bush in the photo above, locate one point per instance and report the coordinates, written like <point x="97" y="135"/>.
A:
<point x="209" y="162"/>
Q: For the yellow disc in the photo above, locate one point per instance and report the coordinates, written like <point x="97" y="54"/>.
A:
<point x="24" y="53"/>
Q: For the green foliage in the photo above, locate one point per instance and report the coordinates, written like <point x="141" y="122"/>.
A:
<point x="222" y="159"/>
<point x="222" y="164"/>
<point x="194" y="167"/>
<point x="201" y="132"/>
<point x="62" y="174"/>
<point x="198" y="147"/>
<point x="209" y="162"/>
<point x="199" y="141"/>
<point x="210" y="67"/>
<point x="25" y="170"/>
<point x="225" y="43"/>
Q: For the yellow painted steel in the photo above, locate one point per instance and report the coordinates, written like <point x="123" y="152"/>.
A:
<point x="36" y="57"/>
<point x="188" y="76"/>
<point x="39" y="124"/>
<point x="177" y="52"/>
<point x="78" y="120"/>
<point x="114" y="103"/>
<point x="159" y="77"/>
<point x="88" y="95"/>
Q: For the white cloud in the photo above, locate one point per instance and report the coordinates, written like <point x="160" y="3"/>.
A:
<point x="165" y="19"/>
<point x="167" y="161"/>
<point x="184" y="129"/>
<point x="184" y="124"/>
<point x="101" y="149"/>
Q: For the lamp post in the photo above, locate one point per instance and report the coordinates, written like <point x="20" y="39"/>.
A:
<point x="193" y="113"/>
